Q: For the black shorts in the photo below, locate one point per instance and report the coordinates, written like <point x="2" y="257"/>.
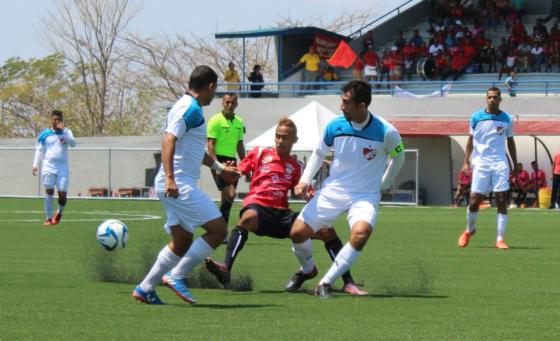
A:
<point x="218" y="180"/>
<point x="273" y="222"/>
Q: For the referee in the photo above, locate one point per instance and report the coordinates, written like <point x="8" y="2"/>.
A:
<point x="225" y="141"/>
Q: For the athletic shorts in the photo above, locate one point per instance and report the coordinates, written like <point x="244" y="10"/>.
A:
<point x="50" y="181"/>
<point x="370" y="70"/>
<point x="490" y="178"/>
<point x="325" y="207"/>
<point x="273" y="222"/>
<point x="218" y="180"/>
<point x="191" y="209"/>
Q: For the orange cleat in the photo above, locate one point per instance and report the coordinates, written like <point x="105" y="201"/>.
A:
<point x="500" y="244"/>
<point x="465" y="237"/>
<point x="56" y="219"/>
<point x="352" y="289"/>
<point x="47" y="222"/>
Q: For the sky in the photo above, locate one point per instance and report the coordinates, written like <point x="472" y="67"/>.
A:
<point x="20" y="19"/>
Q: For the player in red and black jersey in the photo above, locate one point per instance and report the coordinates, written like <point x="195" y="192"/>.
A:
<point x="265" y="209"/>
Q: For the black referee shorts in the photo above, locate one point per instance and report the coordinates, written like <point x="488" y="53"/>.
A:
<point x="218" y="180"/>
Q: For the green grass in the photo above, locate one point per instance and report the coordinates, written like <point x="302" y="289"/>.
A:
<point x="422" y="286"/>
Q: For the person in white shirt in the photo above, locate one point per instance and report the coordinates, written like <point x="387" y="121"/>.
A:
<point x="368" y="153"/>
<point x="537" y="53"/>
<point x="52" y="154"/>
<point x="490" y="130"/>
<point x="186" y="206"/>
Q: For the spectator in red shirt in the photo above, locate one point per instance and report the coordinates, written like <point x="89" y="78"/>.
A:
<point x="521" y="186"/>
<point x="538" y="176"/>
<point x="458" y="65"/>
<point x="555" y="197"/>
<point x="464" y="188"/>
<point x="358" y="68"/>
<point x="371" y="68"/>
<point x="396" y="65"/>
<point x="409" y="55"/>
<point x="265" y="209"/>
<point x="442" y="63"/>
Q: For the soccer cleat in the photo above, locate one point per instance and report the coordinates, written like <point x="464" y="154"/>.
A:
<point x="465" y="237"/>
<point x="47" y="222"/>
<point x="298" y="278"/>
<point x="56" y="219"/>
<point x="179" y="286"/>
<point x="149" y="297"/>
<point x="352" y="289"/>
<point x="500" y="244"/>
<point x="324" y="291"/>
<point x="219" y="270"/>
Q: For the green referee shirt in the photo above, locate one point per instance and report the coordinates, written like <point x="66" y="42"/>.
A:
<point x="227" y="133"/>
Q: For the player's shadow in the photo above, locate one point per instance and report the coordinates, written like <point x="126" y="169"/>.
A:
<point x="511" y="247"/>
<point x="406" y="296"/>
<point x="225" y="306"/>
<point x="276" y="292"/>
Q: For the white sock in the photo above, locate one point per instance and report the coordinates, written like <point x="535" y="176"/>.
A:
<point x="165" y="261"/>
<point x="60" y="209"/>
<point x="502" y="224"/>
<point x="342" y="263"/>
<point x="471" y="220"/>
<point x="48" y="206"/>
<point x="196" y="253"/>
<point x="304" y="254"/>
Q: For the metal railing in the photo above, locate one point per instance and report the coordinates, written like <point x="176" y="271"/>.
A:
<point x="293" y="89"/>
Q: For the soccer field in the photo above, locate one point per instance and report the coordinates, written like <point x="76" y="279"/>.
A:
<point x="422" y="286"/>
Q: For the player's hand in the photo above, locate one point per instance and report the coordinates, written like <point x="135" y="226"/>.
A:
<point x="466" y="166"/>
<point x="300" y="190"/>
<point x="171" y="188"/>
<point x="60" y="125"/>
<point x="310" y="193"/>
<point x="231" y="170"/>
<point x="34" y="171"/>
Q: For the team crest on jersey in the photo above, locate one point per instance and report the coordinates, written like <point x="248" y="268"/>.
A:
<point x="369" y="153"/>
<point x="289" y="168"/>
<point x="500" y="130"/>
<point x="267" y="158"/>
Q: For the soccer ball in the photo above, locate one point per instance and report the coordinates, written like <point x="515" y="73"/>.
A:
<point x="112" y="234"/>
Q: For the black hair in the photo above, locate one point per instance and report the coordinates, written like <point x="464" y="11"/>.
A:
<point x="201" y="77"/>
<point x="57" y="113"/>
<point x="361" y="91"/>
<point x="496" y="89"/>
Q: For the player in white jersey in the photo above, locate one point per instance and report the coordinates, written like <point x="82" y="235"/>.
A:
<point x="52" y="154"/>
<point x="485" y="153"/>
<point x="186" y="206"/>
<point x="363" y="144"/>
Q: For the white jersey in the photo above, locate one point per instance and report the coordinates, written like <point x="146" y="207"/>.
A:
<point x="490" y="133"/>
<point x="52" y="149"/>
<point x="186" y="122"/>
<point x="360" y="156"/>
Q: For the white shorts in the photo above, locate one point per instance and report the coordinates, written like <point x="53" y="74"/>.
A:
<point x="60" y="181"/>
<point x="486" y="179"/>
<point x="191" y="209"/>
<point x="370" y="70"/>
<point x="322" y="211"/>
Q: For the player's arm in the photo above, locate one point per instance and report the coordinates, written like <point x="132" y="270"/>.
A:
<point x="241" y="154"/>
<point x="513" y="154"/>
<point x="211" y="148"/>
<point x="468" y="152"/>
<point x="39" y="152"/>
<point x="167" y="153"/>
<point x="396" y="161"/>
<point x="69" y="137"/>
<point x="219" y="167"/>
<point x="311" y="168"/>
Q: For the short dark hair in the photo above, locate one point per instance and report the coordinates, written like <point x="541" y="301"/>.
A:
<point x="230" y="94"/>
<point x="287" y="122"/>
<point x="201" y="77"/>
<point x="57" y="113"/>
<point x="496" y="89"/>
<point x="360" y="90"/>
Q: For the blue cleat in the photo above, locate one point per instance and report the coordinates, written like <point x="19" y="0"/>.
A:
<point x="179" y="286"/>
<point x="149" y="297"/>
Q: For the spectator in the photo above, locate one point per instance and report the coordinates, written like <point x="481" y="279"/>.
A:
<point x="488" y="56"/>
<point x="409" y="55"/>
<point x="357" y="69"/>
<point x="511" y="83"/>
<point x="522" y="186"/>
<point x="384" y="66"/>
<point x="436" y="47"/>
<point x="555" y="197"/>
<point x="329" y="75"/>
<point x="368" y="41"/>
<point x="464" y="188"/>
<point x="524" y="54"/>
<point x="371" y="68"/>
<point x="416" y="39"/>
<point x="400" y="41"/>
<point x="231" y="76"/>
<point x="537" y="54"/>
<point x="311" y="60"/>
<point x="396" y="65"/>
<point x="459" y="63"/>
<point x="509" y="63"/>
<point x="538" y="180"/>
<point x="422" y="51"/>
<point x="442" y="63"/>
<point x="257" y="80"/>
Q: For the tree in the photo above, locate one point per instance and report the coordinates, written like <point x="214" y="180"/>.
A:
<point x="87" y="33"/>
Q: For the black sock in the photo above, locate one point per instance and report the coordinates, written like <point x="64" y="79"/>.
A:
<point x="225" y="208"/>
<point x="333" y="247"/>
<point x="236" y="241"/>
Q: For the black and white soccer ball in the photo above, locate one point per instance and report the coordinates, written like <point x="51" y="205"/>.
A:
<point x="112" y="234"/>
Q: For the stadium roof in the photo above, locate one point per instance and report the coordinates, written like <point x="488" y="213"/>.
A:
<point x="423" y="128"/>
<point x="276" y="31"/>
